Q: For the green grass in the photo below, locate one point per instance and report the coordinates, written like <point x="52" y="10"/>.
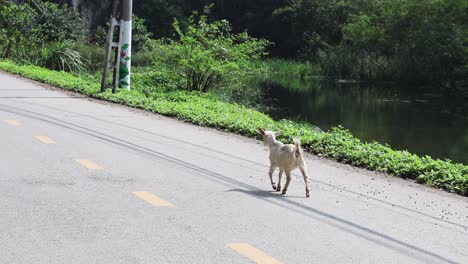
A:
<point x="295" y="75"/>
<point x="287" y="69"/>
<point x="207" y="110"/>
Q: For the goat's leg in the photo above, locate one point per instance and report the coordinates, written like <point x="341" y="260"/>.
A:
<point x="288" y="180"/>
<point x="280" y="174"/>
<point x="270" y="173"/>
<point x="306" y="180"/>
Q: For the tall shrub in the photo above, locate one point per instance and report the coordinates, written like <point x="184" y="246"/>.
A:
<point x="208" y="54"/>
<point x="16" y="27"/>
<point x="25" y="27"/>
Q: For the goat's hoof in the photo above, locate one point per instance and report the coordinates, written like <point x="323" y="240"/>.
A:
<point x="307" y="195"/>
<point x="274" y="187"/>
<point x="278" y="188"/>
<point x="283" y="193"/>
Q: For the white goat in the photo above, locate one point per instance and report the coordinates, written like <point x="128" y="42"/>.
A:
<point x="286" y="158"/>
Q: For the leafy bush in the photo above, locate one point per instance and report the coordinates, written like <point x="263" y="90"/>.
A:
<point x="148" y="81"/>
<point x="310" y="26"/>
<point x="62" y="57"/>
<point x="16" y="23"/>
<point x="208" y="54"/>
<point x="99" y="36"/>
<point x="57" y="23"/>
<point x="420" y="42"/>
<point x="205" y="109"/>
<point x="26" y="27"/>
<point x="140" y="34"/>
<point x="142" y="59"/>
<point x="93" y="56"/>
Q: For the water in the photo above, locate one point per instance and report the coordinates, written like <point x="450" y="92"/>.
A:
<point x="406" y="118"/>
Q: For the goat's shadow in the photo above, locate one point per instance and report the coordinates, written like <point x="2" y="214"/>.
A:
<point x="266" y="194"/>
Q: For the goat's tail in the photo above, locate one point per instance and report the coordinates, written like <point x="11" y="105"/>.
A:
<point x="298" y="153"/>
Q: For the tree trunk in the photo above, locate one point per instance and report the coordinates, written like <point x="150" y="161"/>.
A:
<point x="8" y="49"/>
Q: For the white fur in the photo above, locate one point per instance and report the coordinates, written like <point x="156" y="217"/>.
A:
<point x="286" y="158"/>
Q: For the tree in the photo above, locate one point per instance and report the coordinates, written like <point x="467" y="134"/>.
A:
<point x="140" y="34"/>
<point x="159" y="15"/>
<point x="306" y="27"/>
<point x="16" y="26"/>
<point x="57" y="23"/>
<point x="27" y="25"/>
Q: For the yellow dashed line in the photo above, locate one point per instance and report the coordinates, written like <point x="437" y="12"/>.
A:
<point x="45" y="140"/>
<point x="152" y="199"/>
<point x="253" y="253"/>
<point x="89" y="164"/>
<point x="12" y="122"/>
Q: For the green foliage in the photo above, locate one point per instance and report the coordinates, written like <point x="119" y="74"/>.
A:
<point x="311" y="26"/>
<point x="425" y="40"/>
<point x="99" y="36"/>
<point x="93" y="56"/>
<point x="142" y="59"/>
<point x="61" y="79"/>
<point x="61" y="56"/>
<point x="159" y="15"/>
<point x="140" y="34"/>
<point x="207" y="110"/>
<point x="146" y="80"/>
<point x="294" y="75"/>
<point x="56" y="23"/>
<point x="362" y="31"/>
<point x="340" y="145"/>
<point x="16" y="23"/>
<point x="24" y="28"/>
<point x="208" y="55"/>
<point x="410" y="41"/>
<point x="343" y="62"/>
<point x="287" y="68"/>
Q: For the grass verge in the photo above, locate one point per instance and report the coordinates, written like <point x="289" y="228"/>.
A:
<point x="207" y="110"/>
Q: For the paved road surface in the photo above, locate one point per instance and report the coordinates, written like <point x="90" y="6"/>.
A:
<point x="82" y="181"/>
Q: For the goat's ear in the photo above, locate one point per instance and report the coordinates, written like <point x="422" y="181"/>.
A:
<point x="262" y="131"/>
<point x="278" y="133"/>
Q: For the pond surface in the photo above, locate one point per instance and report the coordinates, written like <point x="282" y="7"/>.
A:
<point x="406" y="118"/>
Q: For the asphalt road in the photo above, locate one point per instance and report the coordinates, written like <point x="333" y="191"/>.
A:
<point x="83" y="181"/>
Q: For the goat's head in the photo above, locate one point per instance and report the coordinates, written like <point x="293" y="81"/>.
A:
<point x="269" y="136"/>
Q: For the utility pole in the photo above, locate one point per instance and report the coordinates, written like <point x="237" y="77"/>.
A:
<point x="119" y="50"/>
<point x="126" y="44"/>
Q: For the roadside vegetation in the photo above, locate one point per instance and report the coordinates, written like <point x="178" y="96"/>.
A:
<point x="202" y="73"/>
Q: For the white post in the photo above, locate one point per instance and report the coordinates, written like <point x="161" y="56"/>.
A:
<point x="126" y="45"/>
